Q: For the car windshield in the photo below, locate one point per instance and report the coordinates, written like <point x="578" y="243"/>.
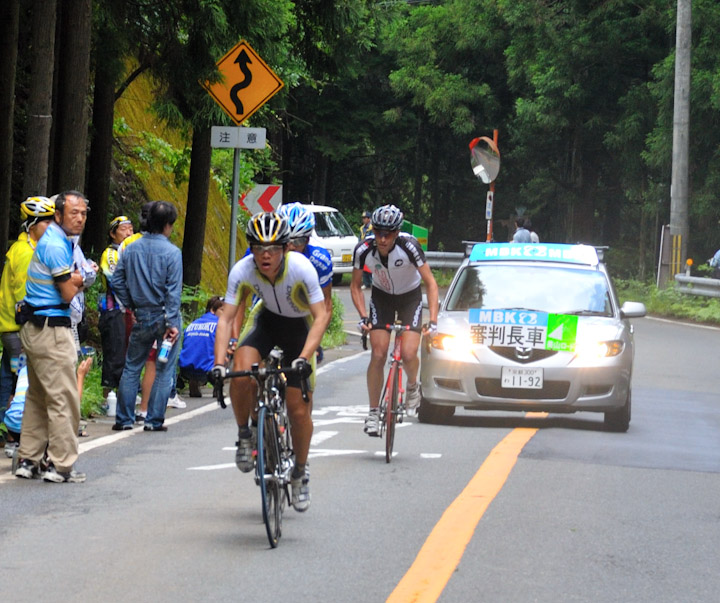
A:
<point x="537" y="288"/>
<point x="332" y="224"/>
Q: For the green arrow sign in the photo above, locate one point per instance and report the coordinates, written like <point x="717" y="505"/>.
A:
<point x="561" y="333"/>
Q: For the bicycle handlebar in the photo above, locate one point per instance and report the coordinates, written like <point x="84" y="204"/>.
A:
<point x="260" y="374"/>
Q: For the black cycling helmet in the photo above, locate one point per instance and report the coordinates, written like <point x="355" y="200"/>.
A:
<point x="267" y="228"/>
<point x="387" y="217"/>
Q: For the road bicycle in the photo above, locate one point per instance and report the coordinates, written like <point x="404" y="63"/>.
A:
<point x="275" y="459"/>
<point x="391" y="408"/>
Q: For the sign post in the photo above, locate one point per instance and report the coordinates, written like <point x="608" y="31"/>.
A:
<point x="247" y="84"/>
<point x="485" y="161"/>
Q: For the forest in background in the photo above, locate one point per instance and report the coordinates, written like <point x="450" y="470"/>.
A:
<point x="380" y="102"/>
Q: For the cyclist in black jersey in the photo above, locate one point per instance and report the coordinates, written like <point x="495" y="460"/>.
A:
<point x="293" y="316"/>
<point x="398" y="265"/>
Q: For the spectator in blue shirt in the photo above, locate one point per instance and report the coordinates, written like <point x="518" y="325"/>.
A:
<point x="148" y="280"/>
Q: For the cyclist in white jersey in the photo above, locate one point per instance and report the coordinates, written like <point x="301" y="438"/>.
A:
<point x="292" y="316"/>
<point x="397" y="263"/>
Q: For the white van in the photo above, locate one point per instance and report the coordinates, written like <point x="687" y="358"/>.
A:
<point x="333" y="232"/>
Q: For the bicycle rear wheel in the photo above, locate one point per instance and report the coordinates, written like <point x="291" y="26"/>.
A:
<point x="391" y="412"/>
<point x="268" y="467"/>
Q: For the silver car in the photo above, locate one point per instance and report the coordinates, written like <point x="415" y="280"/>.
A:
<point x="531" y="327"/>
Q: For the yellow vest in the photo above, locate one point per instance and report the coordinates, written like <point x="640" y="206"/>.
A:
<point x="12" y="284"/>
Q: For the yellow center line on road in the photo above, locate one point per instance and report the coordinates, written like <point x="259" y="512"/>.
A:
<point x="444" y="547"/>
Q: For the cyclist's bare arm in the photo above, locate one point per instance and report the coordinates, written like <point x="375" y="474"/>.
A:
<point x="358" y="298"/>
<point x="321" y="320"/>
<point x="327" y="292"/>
<point x="223" y="331"/>
<point x="237" y="324"/>
<point x="432" y="290"/>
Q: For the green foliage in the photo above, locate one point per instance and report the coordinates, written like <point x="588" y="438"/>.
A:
<point x="151" y="153"/>
<point x="335" y="334"/>
<point x="92" y="397"/>
<point x="670" y="302"/>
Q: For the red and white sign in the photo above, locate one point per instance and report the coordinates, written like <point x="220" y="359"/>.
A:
<point x="264" y="197"/>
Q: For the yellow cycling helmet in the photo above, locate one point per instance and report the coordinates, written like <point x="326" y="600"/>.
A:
<point x="37" y="207"/>
<point x="117" y="222"/>
<point x="267" y="228"/>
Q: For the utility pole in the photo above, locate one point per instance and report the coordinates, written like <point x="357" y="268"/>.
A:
<point x="679" y="186"/>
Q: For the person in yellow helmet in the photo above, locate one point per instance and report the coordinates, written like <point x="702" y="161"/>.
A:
<point x="36" y="212"/>
<point x="115" y="320"/>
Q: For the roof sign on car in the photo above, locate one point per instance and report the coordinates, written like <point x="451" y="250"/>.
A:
<point x="544" y="252"/>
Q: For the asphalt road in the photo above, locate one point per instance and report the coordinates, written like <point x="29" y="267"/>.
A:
<point x="583" y="515"/>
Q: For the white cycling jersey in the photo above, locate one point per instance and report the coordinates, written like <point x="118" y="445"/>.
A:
<point x="296" y="286"/>
<point x="398" y="272"/>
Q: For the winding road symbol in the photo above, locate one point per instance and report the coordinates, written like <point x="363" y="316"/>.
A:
<point x="243" y="60"/>
<point x="247" y="83"/>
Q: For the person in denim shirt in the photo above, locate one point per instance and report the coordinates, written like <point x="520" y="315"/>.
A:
<point x="148" y="279"/>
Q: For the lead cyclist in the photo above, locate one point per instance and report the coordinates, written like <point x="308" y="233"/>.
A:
<point x="293" y="316"/>
<point x="397" y="263"/>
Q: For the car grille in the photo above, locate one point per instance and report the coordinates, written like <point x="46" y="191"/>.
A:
<point x="533" y="355"/>
<point x="551" y="390"/>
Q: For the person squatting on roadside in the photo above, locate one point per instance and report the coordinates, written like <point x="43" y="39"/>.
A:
<point x="197" y="357"/>
<point x="37" y="213"/>
<point x="115" y="320"/>
<point x="288" y="286"/>
<point x="398" y="265"/>
<point x="148" y="280"/>
<point x="49" y="443"/>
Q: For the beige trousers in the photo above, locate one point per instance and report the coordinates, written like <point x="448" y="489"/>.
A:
<point x="52" y="403"/>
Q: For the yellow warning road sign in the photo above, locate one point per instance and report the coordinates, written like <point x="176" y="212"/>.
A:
<point x="247" y="84"/>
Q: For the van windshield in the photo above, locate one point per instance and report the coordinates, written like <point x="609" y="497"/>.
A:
<point x="332" y="224"/>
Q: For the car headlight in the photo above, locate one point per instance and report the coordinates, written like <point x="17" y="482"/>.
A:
<point x="458" y="345"/>
<point x="590" y="350"/>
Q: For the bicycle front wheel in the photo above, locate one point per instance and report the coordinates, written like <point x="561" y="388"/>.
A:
<point x="391" y="412"/>
<point x="268" y="468"/>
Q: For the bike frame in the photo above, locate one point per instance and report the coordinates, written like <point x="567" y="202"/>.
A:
<point x="391" y="407"/>
<point x="274" y="459"/>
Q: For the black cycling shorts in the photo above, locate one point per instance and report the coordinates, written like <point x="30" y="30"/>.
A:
<point x="269" y="330"/>
<point x="407" y="306"/>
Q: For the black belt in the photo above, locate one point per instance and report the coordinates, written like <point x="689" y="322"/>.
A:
<point x="50" y="321"/>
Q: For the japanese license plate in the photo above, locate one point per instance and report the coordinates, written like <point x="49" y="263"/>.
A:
<point x="347" y="257"/>
<point x="521" y="378"/>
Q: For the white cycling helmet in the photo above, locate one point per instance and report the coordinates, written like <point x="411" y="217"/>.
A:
<point x="387" y="217"/>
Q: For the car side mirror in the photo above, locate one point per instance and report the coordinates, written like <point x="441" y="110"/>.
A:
<point x="633" y="310"/>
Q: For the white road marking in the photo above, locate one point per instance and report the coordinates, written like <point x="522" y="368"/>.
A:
<point x="321" y="436"/>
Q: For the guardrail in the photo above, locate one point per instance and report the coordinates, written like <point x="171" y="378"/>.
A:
<point x="444" y="259"/>
<point x="696" y="285"/>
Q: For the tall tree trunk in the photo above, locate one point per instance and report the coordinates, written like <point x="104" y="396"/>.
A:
<point x="39" y="120"/>
<point x="72" y="114"/>
<point x="419" y="171"/>
<point x="195" y="217"/>
<point x="100" y="160"/>
<point x="9" y="19"/>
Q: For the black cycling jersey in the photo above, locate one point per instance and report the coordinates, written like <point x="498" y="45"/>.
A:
<point x="398" y="272"/>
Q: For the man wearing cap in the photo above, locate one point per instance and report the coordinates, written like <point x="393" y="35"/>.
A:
<point x="37" y="212"/>
<point x="365" y="232"/>
<point x="113" y="323"/>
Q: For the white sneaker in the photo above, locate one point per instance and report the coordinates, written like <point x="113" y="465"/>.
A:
<point x="412" y="400"/>
<point x="301" y="493"/>
<point x="176" y="402"/>
<point x="372" y="423"/>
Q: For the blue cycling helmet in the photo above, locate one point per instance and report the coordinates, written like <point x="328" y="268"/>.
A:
<point x="300" y="219"/>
